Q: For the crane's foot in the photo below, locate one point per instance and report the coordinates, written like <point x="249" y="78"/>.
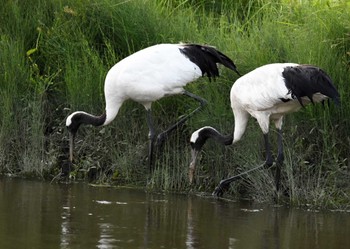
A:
<point x="66" y="169"/>
<point x="221" y="188"/>
<point x="161" y="139"/>
<point x="268" y="163"/>
<point x="151" y="155"/>
<point x="218" y="192"/>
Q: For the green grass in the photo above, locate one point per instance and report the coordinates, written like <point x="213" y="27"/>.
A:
<point x="55" y="55"/>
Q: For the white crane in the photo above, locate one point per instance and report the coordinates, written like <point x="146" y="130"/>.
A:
<point x="267" y="94"/>
<point x="149" y="75"/>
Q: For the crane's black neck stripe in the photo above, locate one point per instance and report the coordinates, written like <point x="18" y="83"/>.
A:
<point x="85" y="118"/>
<point x="305" y="81"/>
<point x="209" y="132"/>
<point x="206" y="57"/>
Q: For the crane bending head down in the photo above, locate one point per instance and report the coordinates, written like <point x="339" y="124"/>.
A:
<point x="149" y="75"/>
<point x="267" y="94"/>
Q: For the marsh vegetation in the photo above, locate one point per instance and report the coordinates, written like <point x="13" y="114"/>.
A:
<point x="55" y="54"/>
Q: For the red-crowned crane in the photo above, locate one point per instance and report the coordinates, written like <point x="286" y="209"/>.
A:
<point x="267" y="93"/>
<point x="149" y="75"/>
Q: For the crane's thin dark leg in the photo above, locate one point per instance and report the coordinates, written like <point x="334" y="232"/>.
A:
<point x="280" y="159"/>
<point x="269" y="158"/>
<point x="163" y="136"/>
<point x="225" y="184"/>
<point x="152" y="136"/>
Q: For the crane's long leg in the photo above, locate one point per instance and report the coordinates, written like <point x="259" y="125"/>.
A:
<point x="224" y="184"/>
<point x="163" y="136"/>
<point x="280" y="158"/>
<point x="269" y="159"/>
<point x="152" y="136"/>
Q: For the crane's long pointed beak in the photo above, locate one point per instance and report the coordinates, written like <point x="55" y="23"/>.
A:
<point x="194" y="154"/>
<point x="71" y="146"/>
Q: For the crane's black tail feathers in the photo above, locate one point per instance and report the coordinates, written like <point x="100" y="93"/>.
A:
<point x="206" y="57"/>
<point x="306" y="80"/>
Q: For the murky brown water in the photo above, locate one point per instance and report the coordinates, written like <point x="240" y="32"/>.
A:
<point x="43" y="215"/>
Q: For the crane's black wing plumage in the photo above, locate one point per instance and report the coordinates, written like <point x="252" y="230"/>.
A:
<point x="306" y="80"/>
<point x="206" y="58"/>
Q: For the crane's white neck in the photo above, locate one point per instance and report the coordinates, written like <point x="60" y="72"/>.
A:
<point x="112" y="110"/>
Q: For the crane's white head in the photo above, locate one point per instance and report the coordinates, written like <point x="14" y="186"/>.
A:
<point x="198" y="139"/>
<point x="73" y="122"/>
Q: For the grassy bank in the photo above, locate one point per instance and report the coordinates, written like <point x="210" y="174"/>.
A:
<point x="55" y="55"/>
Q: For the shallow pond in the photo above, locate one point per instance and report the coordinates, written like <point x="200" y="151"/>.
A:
<point x="43" y="215"/>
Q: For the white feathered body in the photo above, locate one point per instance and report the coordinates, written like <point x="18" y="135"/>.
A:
<point x="262" y="93"/>
<point x="148" y="75"/>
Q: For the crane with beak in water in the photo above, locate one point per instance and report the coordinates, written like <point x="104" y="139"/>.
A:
<point x="149" y="75"/>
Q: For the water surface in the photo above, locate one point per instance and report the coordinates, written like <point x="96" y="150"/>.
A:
<point x="43" y="215"/>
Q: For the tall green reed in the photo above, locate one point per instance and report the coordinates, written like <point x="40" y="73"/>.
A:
<point x="72" y="44"/>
